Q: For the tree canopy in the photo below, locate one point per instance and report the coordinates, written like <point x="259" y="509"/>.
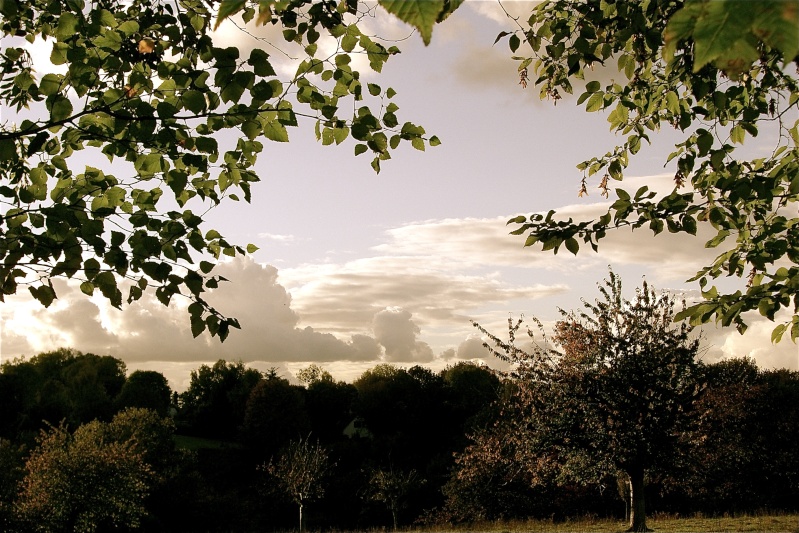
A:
<point x="717" y="72"/>
<point x="143" y="85"/>
<point x="173" y="125"/>
<point x="615" y="392"/>
<point x="86" y="481"/>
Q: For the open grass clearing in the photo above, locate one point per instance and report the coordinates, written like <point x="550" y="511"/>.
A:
<point x="788" y="523"/>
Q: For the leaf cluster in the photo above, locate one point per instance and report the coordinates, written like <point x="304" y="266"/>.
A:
<point x="174" y="125"/>
<point x="716" y="71"/>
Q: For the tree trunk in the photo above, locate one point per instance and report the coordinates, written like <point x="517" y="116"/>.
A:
<point x="302" y="519"/>
<point x="637" y="501"/>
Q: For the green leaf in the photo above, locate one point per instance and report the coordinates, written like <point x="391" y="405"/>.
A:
<point x="592" y="87"/>
<point x="232" y="92"/>
<point x="91" y="268"/>
<point x="8" y="150"/>
<point x="779" y="331"/>
<point x="340" y="134"/>
<point x="228" y="8"/>
<point x="68" y="26"/>
<point x="422" y="14"/>
<point x="127" y="28"/>
<point x="777" y="26"/>
<point x="197" y="325"/>
<point x="348" y="42"/>
<point x="44" y="293"/>
<point x="50" y="84"/>
<point x="59" y="54"/>
<point x="87" y="288"/>
<point x="720" y="31"/>
<point x="595" y="103"/>
<point x="737" y="134"/>
<point x="704" y="143"/>
<point x="60" y="107"/>
<point x="572" y="245"/>
<point x="251" y="129"/>
<point x="673" y="102"/>
<point x="275" y="131"/>
<point x="194" y="101"/>
<point x="9" y="8"/>
<point x="259" y="60"/>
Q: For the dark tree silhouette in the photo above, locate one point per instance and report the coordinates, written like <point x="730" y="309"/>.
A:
<point x="299" y="471"/>
<point x="617" y="394"/>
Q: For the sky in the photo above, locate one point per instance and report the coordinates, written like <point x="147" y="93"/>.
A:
<point x="356" y="268"/>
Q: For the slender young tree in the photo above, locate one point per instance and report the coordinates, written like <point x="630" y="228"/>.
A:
<point x="392" y="488"/>
<point x="299" y="472"/>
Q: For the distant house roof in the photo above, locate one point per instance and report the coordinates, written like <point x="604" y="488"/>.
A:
<point x="357" y="428"/>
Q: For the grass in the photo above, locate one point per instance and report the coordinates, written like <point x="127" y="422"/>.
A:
<point x="661" y="524"/>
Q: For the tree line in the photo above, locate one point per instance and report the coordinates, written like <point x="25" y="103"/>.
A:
<point x="86" y="447"/>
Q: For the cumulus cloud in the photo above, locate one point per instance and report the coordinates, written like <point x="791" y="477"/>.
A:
<point x="394" y="329"/>
<point x="146" y="330"/>
<point x="342" y="297"/>
<point x="412" y="297"/>
<point x="725" y="343"/>
<point x="472" y="348"/>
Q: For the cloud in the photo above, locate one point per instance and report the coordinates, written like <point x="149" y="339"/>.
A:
<point x="394" y="329"/>
<point x="464" y="241"/>
<point x="412" y="297"/>
<point x="283" y="239"/>
<point x="725" y="343"/>
<point x="472" y="348"/>
<point x="146" y="330"/>
<point x="343" y="297"/>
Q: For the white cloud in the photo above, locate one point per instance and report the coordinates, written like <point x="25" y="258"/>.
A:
<point x="395" y="330"/>
<point x="755" y="343"/>
<point x="414" y="296"/>
<point x="472" y="348"/>
<point x="146" y="330"/>
<point x="283" y="239"/>
<point x="342" y="297"/>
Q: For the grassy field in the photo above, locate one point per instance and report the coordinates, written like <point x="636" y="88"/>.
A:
<point x="661" y="524"/>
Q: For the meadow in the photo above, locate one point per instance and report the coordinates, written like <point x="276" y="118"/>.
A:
<point x="782" y="523"/>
